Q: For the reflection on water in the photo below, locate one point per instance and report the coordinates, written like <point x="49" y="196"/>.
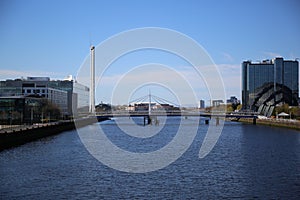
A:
<point x="247" y="162"/>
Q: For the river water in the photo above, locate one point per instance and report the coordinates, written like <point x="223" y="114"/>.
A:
<point x="248" y="161"/>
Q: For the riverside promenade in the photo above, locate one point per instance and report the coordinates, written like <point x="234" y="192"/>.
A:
<point x="284" y="123"/>
<point x="17" y="135"/>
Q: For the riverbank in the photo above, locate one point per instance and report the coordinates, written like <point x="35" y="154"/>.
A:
<point x="283" y="123"/>
<point x="18" y="136"/>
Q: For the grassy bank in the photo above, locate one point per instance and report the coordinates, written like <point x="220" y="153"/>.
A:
<point x="291" y="124"/>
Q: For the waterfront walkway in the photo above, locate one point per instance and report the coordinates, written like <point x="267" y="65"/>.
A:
<point x="16" y="128"/>
<point x="284" y="123"/>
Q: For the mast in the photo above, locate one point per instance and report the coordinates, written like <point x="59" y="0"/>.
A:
<point x="92" y="89"/>
<point x="149" y="109"/>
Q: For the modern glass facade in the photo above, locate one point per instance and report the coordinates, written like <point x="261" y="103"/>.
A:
<point x="269" y="83"/>
<point x="69" y="95"/>
<point x="83" y="97"/>
<point x="20" y="110"/>
<point x="10" y="88"/>
<point x="12" y="110"/>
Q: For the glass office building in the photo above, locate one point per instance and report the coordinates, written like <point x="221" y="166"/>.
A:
<point x="269" y="83"/>
<point x="69" y="95"/>
<point x="12" y="110"/>
<point x="16" y="110"/>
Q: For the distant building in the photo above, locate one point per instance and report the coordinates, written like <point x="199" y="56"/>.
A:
<point x="154" y="107"/>
<point x="202" y="104"/>
<point x="143" y="106"/>
<point x="269" y="83"/>
<point x="68" y="95"/>
<point x="165" y="107"/>
<point x="217" y="102"/>
<point x="130" y="108"/>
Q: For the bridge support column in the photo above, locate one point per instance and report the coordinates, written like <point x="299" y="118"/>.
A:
<point x="147" y="120"/>
<point x="254" y="120"/>
<point x="217" y="121"/>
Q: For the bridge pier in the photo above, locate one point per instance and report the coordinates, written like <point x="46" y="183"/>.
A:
<point x="147" y="120"/>
<point x="254" y="120"/>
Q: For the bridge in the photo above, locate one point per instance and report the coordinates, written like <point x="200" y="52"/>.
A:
<point x="148" y="115"/>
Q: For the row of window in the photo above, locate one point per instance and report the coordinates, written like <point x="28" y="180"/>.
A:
<point x="34" y="91"/>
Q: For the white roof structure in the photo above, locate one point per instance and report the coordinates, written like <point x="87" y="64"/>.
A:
<point x="283" y="114"/>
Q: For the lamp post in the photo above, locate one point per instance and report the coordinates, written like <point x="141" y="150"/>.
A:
<point x="10" y="119"/>
<point x="31" y="115"/>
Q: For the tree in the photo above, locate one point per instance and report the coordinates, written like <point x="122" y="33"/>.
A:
<point x="283" y="108"/>
<point x="294" y="111"/>
<point x="239" y="107"/>
<point x="50" y="110"/>
<point x="230" y="108"/>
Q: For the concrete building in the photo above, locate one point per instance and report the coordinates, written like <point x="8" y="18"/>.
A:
<point x="67" y="94"/>
<point x="165" y="107"/>
<point x="55" y="96"/>
<point x="217" y="102"/>
<point x="143" y="106"/>
<point x="269" y="83"/>
<point x="154" y="106"/>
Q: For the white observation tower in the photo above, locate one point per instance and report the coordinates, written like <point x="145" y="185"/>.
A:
<point x="92" y="85"/>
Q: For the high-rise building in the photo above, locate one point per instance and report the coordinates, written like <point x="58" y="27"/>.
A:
<point x="269" y="83"/>
<point x="202" y="104"/>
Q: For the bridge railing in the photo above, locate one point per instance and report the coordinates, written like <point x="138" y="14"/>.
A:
<point x="136" y="112"/>
<point x="177" y="113"/>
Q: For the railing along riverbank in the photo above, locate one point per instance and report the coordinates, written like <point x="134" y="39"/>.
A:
<point x="284" y="123"/>
<point x="18" y="135"/>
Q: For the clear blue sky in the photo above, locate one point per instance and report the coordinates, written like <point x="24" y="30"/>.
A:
<point x="52" y="37"/>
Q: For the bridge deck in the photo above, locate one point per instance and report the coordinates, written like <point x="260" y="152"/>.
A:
<point x="187" y="114"/>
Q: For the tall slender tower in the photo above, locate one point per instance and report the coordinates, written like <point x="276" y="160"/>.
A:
<point x="92" y="86"/>
<point x="149" y="108"/>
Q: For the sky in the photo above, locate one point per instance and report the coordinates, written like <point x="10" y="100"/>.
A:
<point x="52" y="38"/>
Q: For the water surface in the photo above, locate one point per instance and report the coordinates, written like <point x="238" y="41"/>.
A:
<point x="247" y="162"/>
